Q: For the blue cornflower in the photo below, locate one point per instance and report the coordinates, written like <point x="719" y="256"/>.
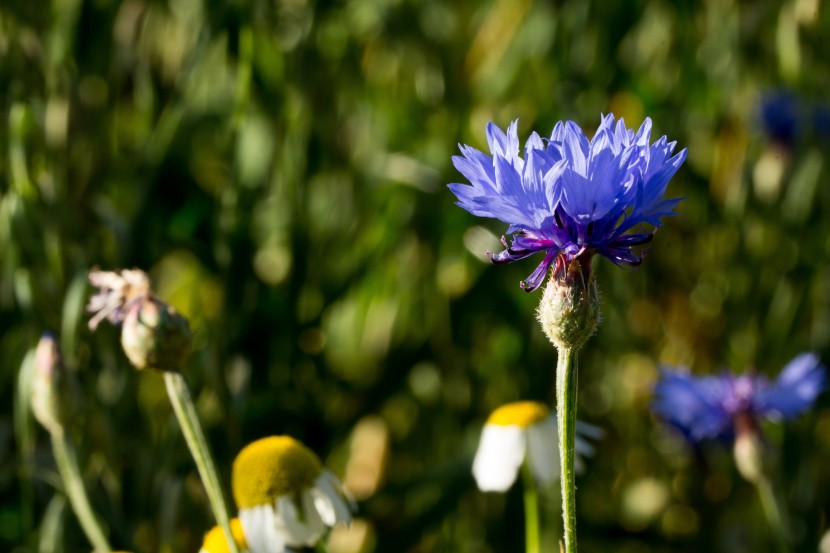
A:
<point x="570" y="197"/>
<point x="780" y="114"/>
<point x="719" y="407"/>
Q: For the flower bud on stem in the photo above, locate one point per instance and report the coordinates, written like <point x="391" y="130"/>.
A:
<point x="155" y="335"/>
<point x="52" y="407"/>
<point x="569" y="314"/>
<point x="51" y="391"/>
<point x="569" y="310"/>
<point x="751" y="459"/>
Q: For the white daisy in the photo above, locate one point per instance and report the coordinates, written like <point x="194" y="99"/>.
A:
<point x="286" y="498"/>
<point x="524" y="429"/>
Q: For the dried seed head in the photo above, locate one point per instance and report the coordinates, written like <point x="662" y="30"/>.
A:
<point x="154" y="335"/>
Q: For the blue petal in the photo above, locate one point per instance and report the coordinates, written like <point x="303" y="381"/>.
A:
<point x="573" y="194"/>
<point x="795" y="390"/>
<point x="501" y="144"/>
<point x="694" y="406"/>
<point x="536" y="278"/>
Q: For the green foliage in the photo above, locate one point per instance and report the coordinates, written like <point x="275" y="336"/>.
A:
<point x="278" y="169"/>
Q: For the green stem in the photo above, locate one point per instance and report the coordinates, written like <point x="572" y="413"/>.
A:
<point x="566" y="381"/>
<point x="74" y="488"/>
<point x="194" y="436"/>
<point x="773" y="513"/>
<point x="531" y="503"/>
<point x="243" y="74"/>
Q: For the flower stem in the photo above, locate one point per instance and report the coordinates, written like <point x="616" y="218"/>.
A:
<point x="531" y="504"/>
<point x="194" y="436"/>
<point x="566" y="382"/>
<point x="773" y="513"/>
<point x="74" y="488"/>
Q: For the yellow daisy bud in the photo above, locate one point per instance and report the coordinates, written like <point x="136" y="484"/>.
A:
<point x="285" y="495"/>
<point x="215" y="541"/>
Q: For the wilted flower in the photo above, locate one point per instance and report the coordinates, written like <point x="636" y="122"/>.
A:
<point x="519" y="430"/>
<point x="286" y="498"/>
<point x="719" y="407"/>
<point x="153" y="334"/>
<point x="215" y="541"/>
<point x="569" y="197"/>
<point x="51" y="392"/>
<point x="116" y="293"/>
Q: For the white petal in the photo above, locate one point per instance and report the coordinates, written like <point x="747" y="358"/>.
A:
<point x="583" y="447"/>
<point x="543" y="450"/>
<point x="259" y="526"/>
<point x="313" y="519"/>
<point x="342" y="492"/>
<point x="334" y="497"/>
<point x="500" y="453"/>
<point x="589" y="430"/>
<point x="323" y="505"/>
<point x="297" y="532"/>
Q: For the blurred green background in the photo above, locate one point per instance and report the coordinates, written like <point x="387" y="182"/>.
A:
<point x="279" y="168"/>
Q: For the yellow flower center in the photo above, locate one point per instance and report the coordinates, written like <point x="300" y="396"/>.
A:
<point x="215" y="541"/>
<point x="519" y="413"/>
<point x="273" y="467"/>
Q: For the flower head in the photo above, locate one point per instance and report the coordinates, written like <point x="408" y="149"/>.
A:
<point x="570" y="197"/>
<point x="116" y="293"/>
<point x="153" y="334"/>
<point x="518" y="430"/>
<point x="719" y="407"/>
<point x="215" y="541"/>
<point x="286" y="498"/>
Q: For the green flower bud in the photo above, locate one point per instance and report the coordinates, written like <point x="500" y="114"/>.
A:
<point x="569" y="311"/>
<point x="154" y="335"/>
<point x="51" y="392"/>
<point x="751" y="455"/>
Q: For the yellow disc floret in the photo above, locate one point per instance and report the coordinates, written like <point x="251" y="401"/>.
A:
<point x="215" y="541"/>
<point x="273" y="467"/>
<point x="519" y="413"/>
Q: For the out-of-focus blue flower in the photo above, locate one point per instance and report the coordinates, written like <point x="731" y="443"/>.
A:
<point x="781" y="116"/>
<point x="821" y="121"/>
<point x="710" y="406"/>
<point x="570" y="197"/>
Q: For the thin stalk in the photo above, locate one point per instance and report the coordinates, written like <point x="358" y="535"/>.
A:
<point x="531" y="504"/>
<point x="74" y="488"/>
<point x="194" y="436"/>
<point x="566" y="382"/>
<point x="769" y="503"/>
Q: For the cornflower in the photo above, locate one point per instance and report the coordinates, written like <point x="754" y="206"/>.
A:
<point x="570" y="199"/>
<point x="731" y="408"/>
